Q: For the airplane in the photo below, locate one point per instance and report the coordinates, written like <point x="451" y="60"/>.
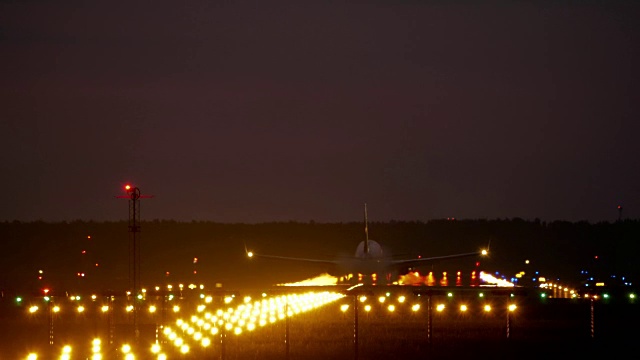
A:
<point x="370" y="261"/>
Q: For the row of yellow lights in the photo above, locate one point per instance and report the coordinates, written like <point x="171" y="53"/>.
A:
<point x="129" y="308"/>
<point x="105" y="308"/>
<point x="208" y="299"/>
<point x="142" y="296"/>
<point x="244" y="317"/>
<point x="415" y="307"/>
<point x="95" y="351"/>
<point x="565" y="290"/>
<point x="97" y="355"/>
<point x="176" y="309"/>
<point x="143" y="291"/>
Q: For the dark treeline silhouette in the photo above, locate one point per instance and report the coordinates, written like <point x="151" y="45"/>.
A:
<point x="42" y="254"/>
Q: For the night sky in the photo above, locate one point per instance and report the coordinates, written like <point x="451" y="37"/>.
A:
<point x="243" y="111"/>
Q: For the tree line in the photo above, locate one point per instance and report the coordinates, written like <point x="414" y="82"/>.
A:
<point x="88" y="254"/>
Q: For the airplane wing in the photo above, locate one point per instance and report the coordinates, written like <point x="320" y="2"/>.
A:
<point x="434" y="258"/>
<point x="421" y="261"/>
<point x="251" y="254"/>
<point x="407" y="262"/>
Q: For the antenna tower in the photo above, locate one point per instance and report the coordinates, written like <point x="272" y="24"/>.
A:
<point x="134" y="196"/>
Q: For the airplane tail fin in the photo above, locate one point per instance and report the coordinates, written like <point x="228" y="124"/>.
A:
<point x="366" y="231"/>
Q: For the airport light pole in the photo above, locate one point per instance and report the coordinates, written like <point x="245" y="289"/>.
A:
<point x="50" y="318"/>
<point x="287" y="339"/>
<point x="134" y="196"/>
<point x="355" y="326"/>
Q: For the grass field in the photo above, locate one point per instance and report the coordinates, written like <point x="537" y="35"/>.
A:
<point x="554" y="328"/>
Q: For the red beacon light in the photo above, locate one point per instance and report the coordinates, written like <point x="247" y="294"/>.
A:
<point x="133" y="193"/>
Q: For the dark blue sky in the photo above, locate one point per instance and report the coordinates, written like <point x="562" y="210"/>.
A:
<point x="252" y="111"/>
